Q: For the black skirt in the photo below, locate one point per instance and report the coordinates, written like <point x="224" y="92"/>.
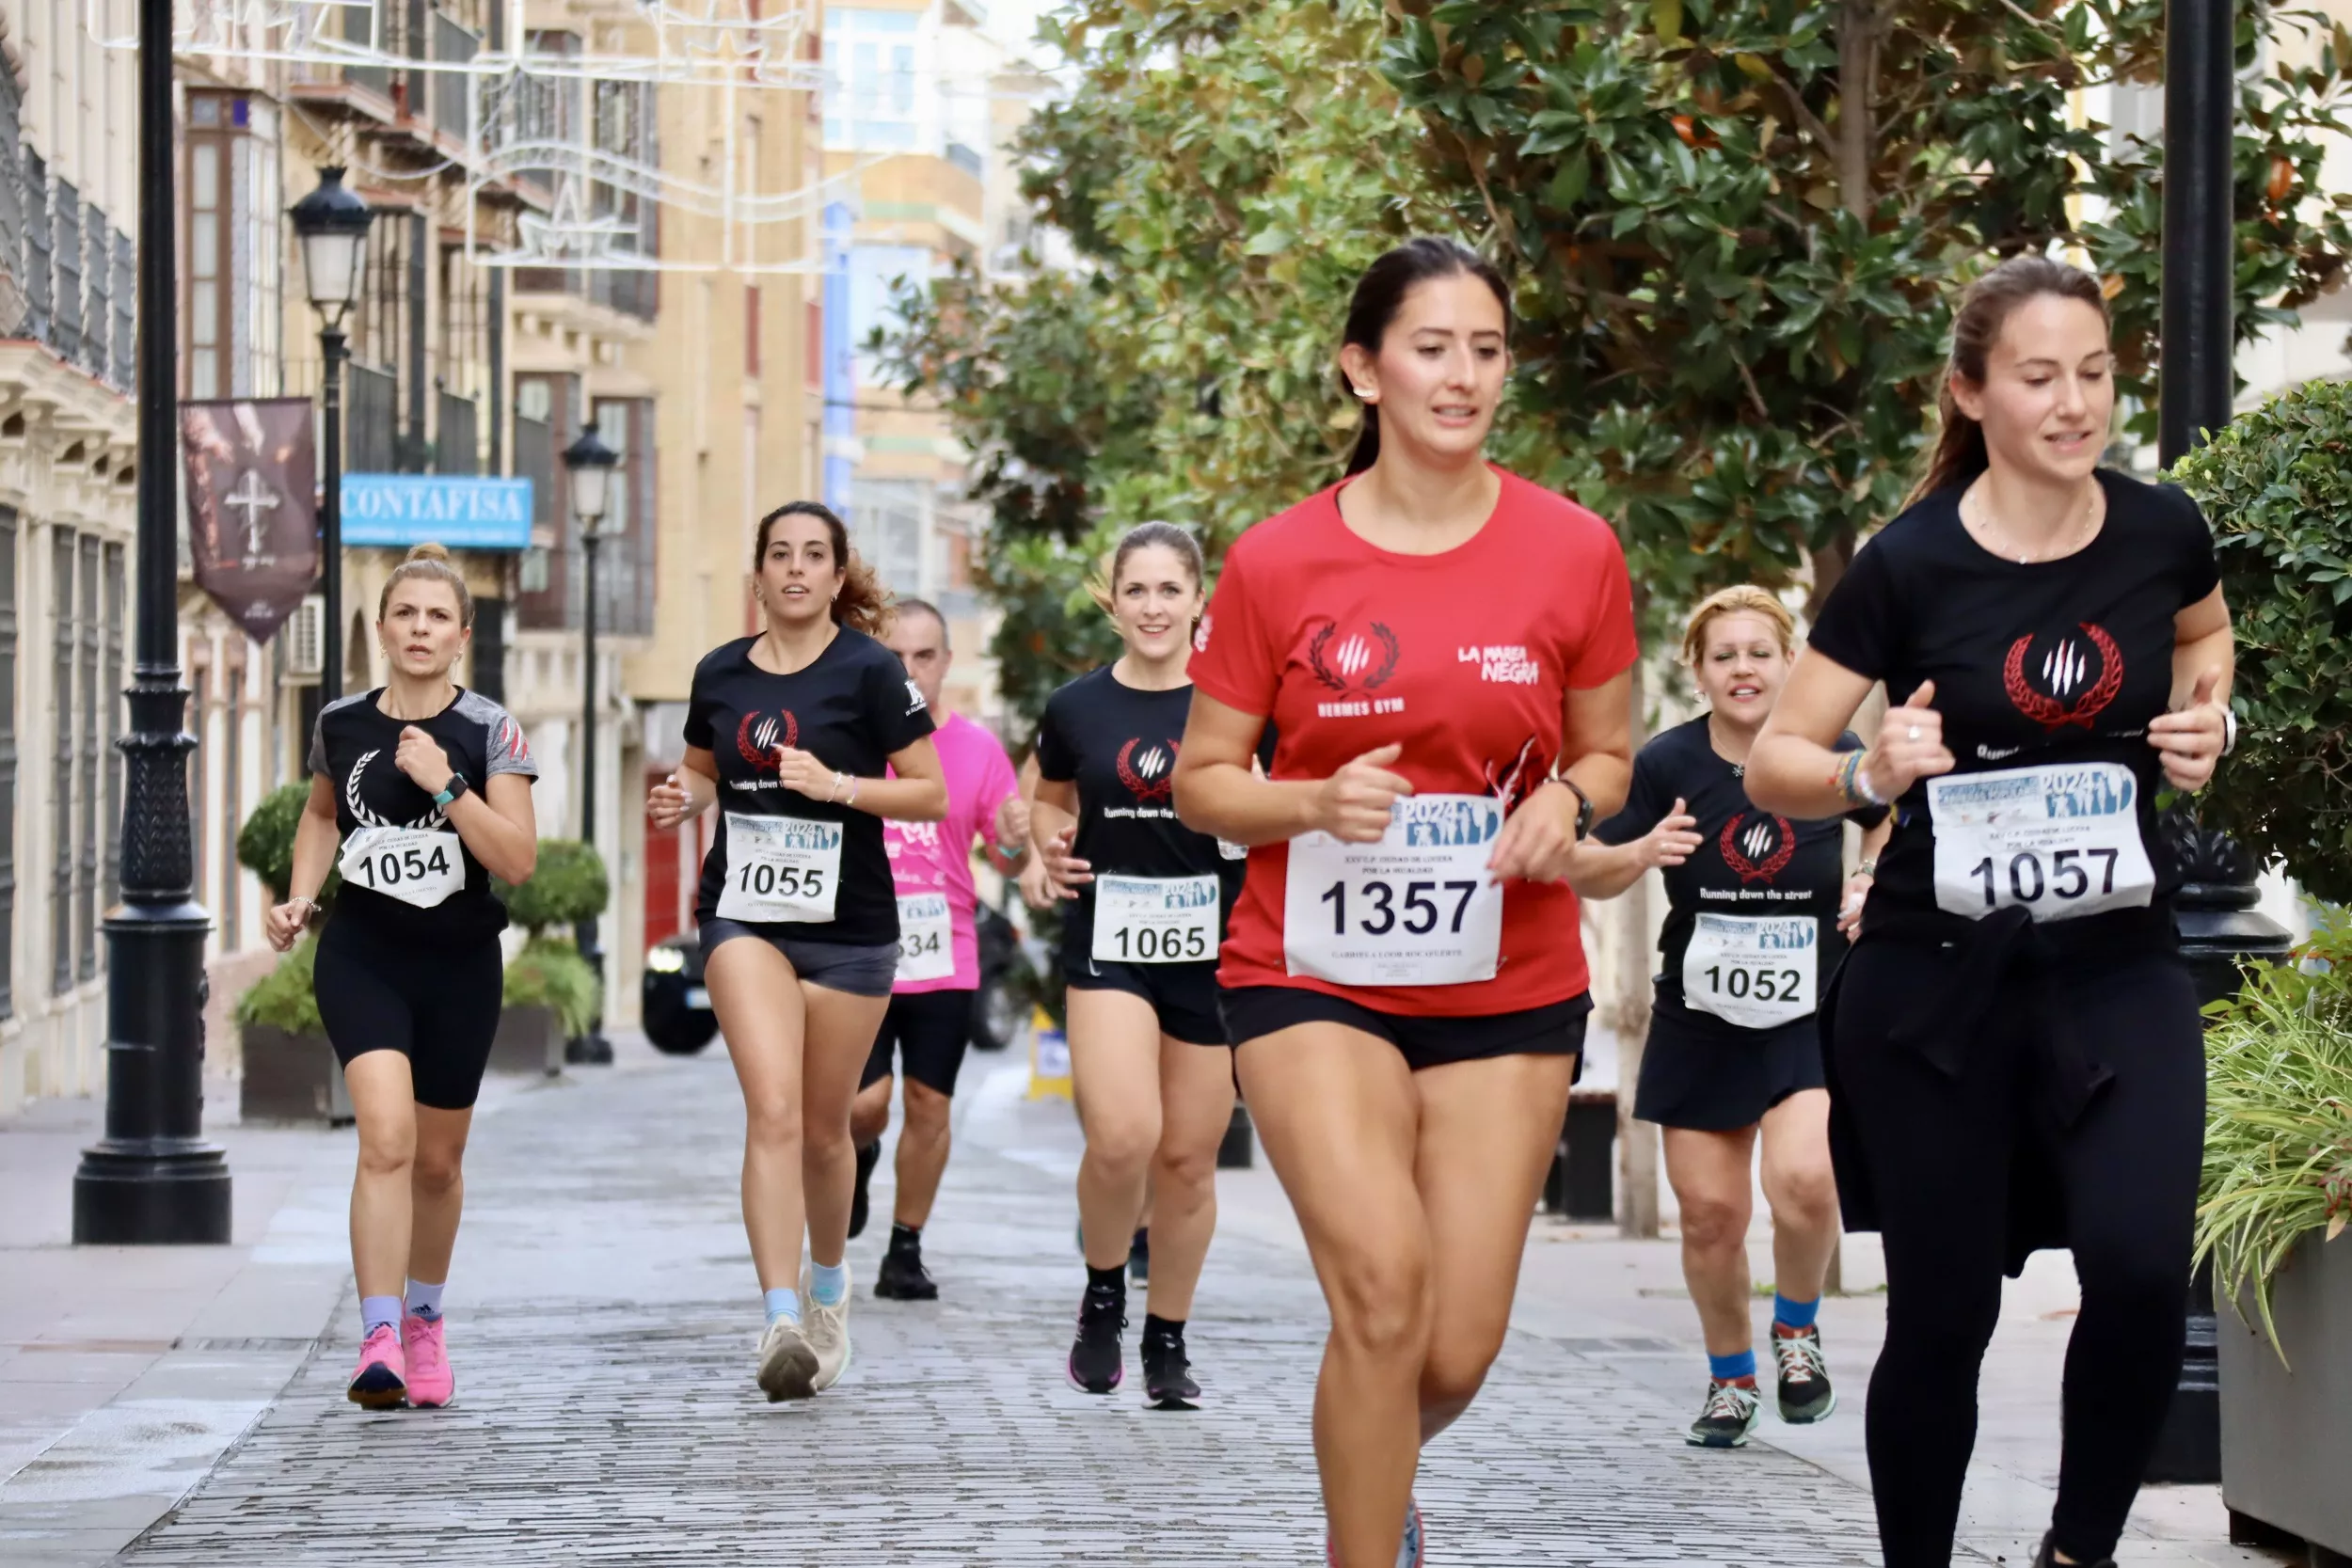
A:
<point x="1717" y="1080"/>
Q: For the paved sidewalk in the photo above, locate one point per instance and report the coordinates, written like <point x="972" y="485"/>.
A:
<point x="603" y="1312"/>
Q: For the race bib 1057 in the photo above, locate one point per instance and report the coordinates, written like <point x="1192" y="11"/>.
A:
<point x="2061" y="841"/>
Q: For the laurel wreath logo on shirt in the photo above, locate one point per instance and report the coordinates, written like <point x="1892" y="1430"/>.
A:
<point x="1338" y="668"/>
<point x="2052" y="713"/>
<point x="1737" y="847"/>
<point x="758" y="736"/>
<point x="365" y="817"/>
<point x="1152" y="777"/>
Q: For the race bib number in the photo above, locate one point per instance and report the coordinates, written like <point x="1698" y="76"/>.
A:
<point x="926" y="936"/>
<point x="781" y="868"/>
<point x="2060" y="841"/>
<point x="1417" y="908"/>
<point x="1154" y="920"/>
<point x="414" y="865"/>
<point x="1755" y="971"/>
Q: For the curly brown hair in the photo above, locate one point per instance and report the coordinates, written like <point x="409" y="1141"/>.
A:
<point x="863" y="604"/>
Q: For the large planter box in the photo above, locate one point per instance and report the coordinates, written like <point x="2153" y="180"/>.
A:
<point x="2284" y="1428"/>
<point x="290" y="1078"/>
<point x="529" y="1040"/>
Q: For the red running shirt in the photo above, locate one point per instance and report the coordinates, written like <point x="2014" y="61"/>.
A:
<point x="1463" y="658"/>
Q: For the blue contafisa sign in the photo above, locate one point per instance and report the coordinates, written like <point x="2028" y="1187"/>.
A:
<point x="414" y="509"/>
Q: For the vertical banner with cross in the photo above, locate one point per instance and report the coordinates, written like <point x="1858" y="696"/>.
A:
<point x="252" y="506"/>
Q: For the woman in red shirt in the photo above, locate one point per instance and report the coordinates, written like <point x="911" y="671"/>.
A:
<point x="1443" y="650"/>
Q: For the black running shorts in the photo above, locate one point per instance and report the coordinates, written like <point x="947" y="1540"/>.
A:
<point x="928" y="1032"/>
<point x="438" y="1007"/>
<point x="1183" y="994"/>
<point x="1556" y="1029"/>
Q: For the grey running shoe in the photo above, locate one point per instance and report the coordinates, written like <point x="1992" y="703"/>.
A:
<point x="788" y="1367"/>
<point x="828" y="1334"/>
<point x="1805" y="1394"/>
<point x="1731" y="1413"/>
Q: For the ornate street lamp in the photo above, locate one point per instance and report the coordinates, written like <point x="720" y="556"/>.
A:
<point x="590" y="464"/>
<point x="331" y="223"/>
<point x="152" y="1178"/>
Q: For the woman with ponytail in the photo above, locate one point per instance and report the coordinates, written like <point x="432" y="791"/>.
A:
<point x="425" y="788"/>
<point x="2013" y="1049"/>
<point x="791" y="732"/>
<point x="1443" y="650"/>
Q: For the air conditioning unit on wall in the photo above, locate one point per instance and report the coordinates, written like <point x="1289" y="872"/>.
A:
<point x="305" y="639"/>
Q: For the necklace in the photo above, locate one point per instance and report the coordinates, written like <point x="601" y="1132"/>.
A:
<point x="1987" y="534"/>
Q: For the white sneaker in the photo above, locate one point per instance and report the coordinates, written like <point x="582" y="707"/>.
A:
<point x="787" y="1365"/>
<point x="828" y="1330"/>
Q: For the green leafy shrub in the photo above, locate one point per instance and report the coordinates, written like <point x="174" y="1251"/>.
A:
<point x="549" y="972"/>
<point x="2277" y="485"/>
<point x="568" y="886"/>
<point x="283" y="998"/>
<point x="265" y="843"/>
<point x="2277" y="1119"/>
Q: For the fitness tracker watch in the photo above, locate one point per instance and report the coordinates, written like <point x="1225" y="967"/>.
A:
<point x="1584" y="806"/>
<point x="457" y="786"/>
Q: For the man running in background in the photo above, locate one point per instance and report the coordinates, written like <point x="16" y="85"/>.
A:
<point x="930" y="1022"/>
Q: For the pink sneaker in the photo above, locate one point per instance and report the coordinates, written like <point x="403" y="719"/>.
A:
<point x="431" y="1383"/>
<point x="382" y="1379"/>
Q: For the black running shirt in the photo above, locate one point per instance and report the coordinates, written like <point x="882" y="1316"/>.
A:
<point x="351" y="747"/>
<point x="2059" y="665"/>
<point x="1748" y="861"/>
<point x="852" y="708"/>
<point x="1119" y="745"/>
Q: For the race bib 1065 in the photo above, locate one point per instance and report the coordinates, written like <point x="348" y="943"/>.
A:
<point x="2061" y="841"/>
<point x="1154" y="920"/>
<point x="1417" y="908"/>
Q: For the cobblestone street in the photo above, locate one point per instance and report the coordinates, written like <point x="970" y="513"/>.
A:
<point x="602" y="1320"/>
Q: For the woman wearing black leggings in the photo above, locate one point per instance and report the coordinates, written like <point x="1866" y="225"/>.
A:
<point x="2013" y="1046"/>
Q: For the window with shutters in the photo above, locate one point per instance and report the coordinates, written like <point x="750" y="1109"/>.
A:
<point x="61" y="780"/>
<point x="8" y="760"/>
<point x="85" y="867"/>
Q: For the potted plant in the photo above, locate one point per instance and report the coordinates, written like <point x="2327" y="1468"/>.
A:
<point x="552" y="995"/>
<point x="291" y="1072"/>
<point x="2276" y="1198"/>
<point x="2277" y="485"/>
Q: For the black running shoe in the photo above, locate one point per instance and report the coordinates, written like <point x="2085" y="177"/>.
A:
<point x="1731" y="1413"/>
<point x="1097" y="1364"/>
<point x="1168" y="1382"/>
<point x="1139" y="1259"/>
<point x="903" y="1277"/>
<point x="867" y="1158"/>
<point x="2047" y="1558"/>
<point x="1805" y="1394"/>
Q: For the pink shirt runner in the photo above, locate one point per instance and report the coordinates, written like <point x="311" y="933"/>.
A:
<point x="934" y="857"/>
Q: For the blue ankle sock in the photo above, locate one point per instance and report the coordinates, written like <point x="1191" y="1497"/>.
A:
<point x="425" y="1300"/>
<point x="378" y="1312"/>
<point x="828" y="1283"/>
<point x="783" y="1302"/>
<point x="1794" y="1314"/>
<point x="1730" y="1368"/>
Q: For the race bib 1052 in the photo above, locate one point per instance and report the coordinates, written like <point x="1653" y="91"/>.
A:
<point x="1417" y="908"/>
<point x="2061" y="841"/>
<point x="1755" y="971"/>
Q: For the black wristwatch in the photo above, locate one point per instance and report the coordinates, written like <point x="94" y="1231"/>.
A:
<point x="1584" y="806"/>
<point x="457" y="786"/>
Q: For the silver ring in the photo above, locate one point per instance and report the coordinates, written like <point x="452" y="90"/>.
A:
<point x="1911" y="734"/>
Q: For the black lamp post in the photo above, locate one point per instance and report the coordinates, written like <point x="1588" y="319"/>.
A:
<point x="332" y="224"/>
<point x="152" y="1178"/>
<point x="2220" y="928"/>
<point x="589" y="464"/>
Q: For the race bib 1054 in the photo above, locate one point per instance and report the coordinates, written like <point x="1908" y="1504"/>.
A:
<point x="1417" y="908"/>
<point x="416" y="866"/>
<point x="2061" y="841"/>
